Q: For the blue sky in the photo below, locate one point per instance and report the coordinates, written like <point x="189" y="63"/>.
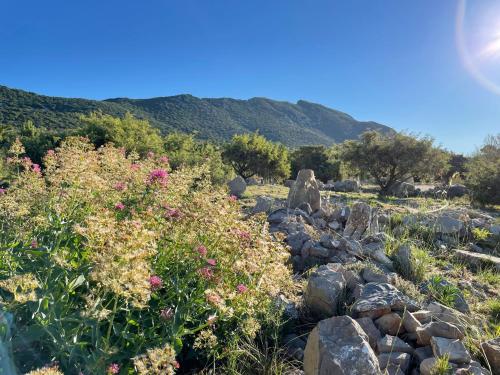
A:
<point x="391" y="61"/>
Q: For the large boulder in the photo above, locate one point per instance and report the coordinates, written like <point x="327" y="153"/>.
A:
<point x="305" y="190"/>
<point x="491" y="350"/>
<point x="402" y="189"/>
<point x="325" y="289"/>
<point x="456" y="191"/>
<point x="448" y="225"/>
<point x="380" y="299"/>
<point x="437" y="328"/>
<point x="346" y="186"/>
<point x="454" y="348"/>
<point x="237" y="186"/>
<point x="339" y="346"/>
<point x="362" y="221"/>
<point x="477" y="260"/>
<point x="263" y="204"/>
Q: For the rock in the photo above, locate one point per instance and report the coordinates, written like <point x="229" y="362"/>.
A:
<point x="295" y="346"/>
<point x="427" y="366"/>
<point x="296" y="241"/>
<point x="338" y="346"/>
<point x="289" y="308"/>
<point x="448" y="225"/>
<point x="403" y="258"/>
<point x="456" y="191"/>
<point x="319" y="251"/>
<point x="441" y="329"/>
<point x="410" y="323"/>
<point x="371" y="331"/>
<point x="251" y="181"/>
<point x="329" y="241"/>
<point x="379" y="299"/>
<point x="306" y="207"/>
<point x="491" y="350"/>
<point x="395" y="360"/>
<point x="352" y="247"/>
<point x="324" y="290"/>
<point x="422" y="353"/>
<point x="362" y="221"/>
<point x="305" y="251"/>
<point x="335" y="225"/>
<point x="389" y="344"/>
<point x="278" y="216"/>
<point x="402" y="189"/>
<point x="289" y="183"/>
<point x="459" y="303"/>
<point x="423" y="316"/>
<point x="472" y="370"/>
<point x="390" y="324"/>
<point x="495" y="229"/>
<point x="237" y="186"/>
<point x="454" y="348"/>
<point x="346" y="186"/>
<point x="305" y="190"/>
<point x="372" y="275"/>
<point x="443" y="313"/>
<point x="263" y="204"/>
<point x="476" y="260"/>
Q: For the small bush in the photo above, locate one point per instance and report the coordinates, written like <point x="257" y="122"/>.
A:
<point x="442" y="366"/>
<point x="443" y="293"/>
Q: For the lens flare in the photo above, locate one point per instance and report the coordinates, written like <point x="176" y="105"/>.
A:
<point x="489" y="52"/>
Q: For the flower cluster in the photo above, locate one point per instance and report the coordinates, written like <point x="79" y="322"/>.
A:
<point x="158" y="361"/>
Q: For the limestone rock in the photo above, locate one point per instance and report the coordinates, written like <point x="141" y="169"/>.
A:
<point x="296" y="241"/>
<point x="305" y="190"/>
<point x="476" y="260"/>
<point x="346" y="186"/>
<point x="492" y="351"/>
<point x="263" y="204"/>
<point x="448" y="225"/>
<point x="371" y="331"/>
<point x="454" y="348"/>
<point x="237" y="186"/>
<point x="440" y="329"/>
<point x="394" y="360"/>
<point x="379" y="299"/>
<point x="410" y="323"/>
<point x="362" y="221"/>
<point x="390" y="324"/>
<point x="389" y="344"/>
<point x="338" y="346"/>
<point x="324" y="290"/>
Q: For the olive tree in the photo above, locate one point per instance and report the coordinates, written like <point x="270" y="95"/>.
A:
<point x="391" y="158"/>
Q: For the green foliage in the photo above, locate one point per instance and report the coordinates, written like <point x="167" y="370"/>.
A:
<point x="483" y="177"/>
<point x="127" y="132"/>
<point x="252" y="154"/>
<point x="442" y="366"/>
<point x="480" y="234"/>
<point x="318" y="159"/>
<point x="212" y="119"/>
<point x="390" y="158"/>
<point x="441" y="292"/>
<point x="185" y="150"/>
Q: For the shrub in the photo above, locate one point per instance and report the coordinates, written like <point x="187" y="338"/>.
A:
<point x="252" y="154"/>
<point x="114" y="262"/>
<point x="483" y="176"/>
<point x="318" y="159"/>
<point x="442" y="366"/>
<point x="393" y="157"/>
<point x="442" y="292"/>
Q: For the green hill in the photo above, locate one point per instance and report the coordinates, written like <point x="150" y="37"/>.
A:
<point x="218" y="119"/>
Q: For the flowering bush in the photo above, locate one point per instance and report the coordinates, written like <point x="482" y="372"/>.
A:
<point x="112" y="264"/>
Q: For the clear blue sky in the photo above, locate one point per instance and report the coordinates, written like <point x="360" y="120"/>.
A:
<point x="391" y="61"/>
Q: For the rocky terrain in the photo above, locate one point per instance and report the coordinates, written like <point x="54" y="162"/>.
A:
<point x="398" y="287"/>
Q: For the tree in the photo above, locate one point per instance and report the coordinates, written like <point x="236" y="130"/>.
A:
<point x="184" y="150"/>
<point x="483" y="176"/>
<point x="389" y="159"/>
<point x="129" y="132"/>
<point x="252" y="154"/>
<point x="317" y="158"/>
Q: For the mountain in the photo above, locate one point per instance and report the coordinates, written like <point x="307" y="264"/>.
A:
<point x="218" y="119"/>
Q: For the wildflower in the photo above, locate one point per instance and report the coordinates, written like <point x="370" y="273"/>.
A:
<point x="120" y="186"/>
<point x="177" y="365"/>
<point x="159" y="176"/>
<point x="233" y="198"/>
<point x="213" y="298"/>
<point x="212" y="318"/>
<point x="172" y="213"/>
<point x="2" y="191"/>
<point x="202" y="250"/>
<point x="155" y="282"/>
<point x="164" y="160"/>
<point x="113" y="368"/>
<point x="36" y="168"/>
<point x="135" y="166"/>
<point x="120" y="206"/>
<point x="157" y="361"/>
<point x="47" y="370"/>
<point x="51" y="152"/>
<point x="22" y="286"/>
<point x="243" y="234"/>
<point x="205" y="340"/>
<point x="206" y="273"/>
<point x="211" y="262"/>
<point x="241" y="288"/>
<point x="34" y="244"/>
<point x="166" y="314"/>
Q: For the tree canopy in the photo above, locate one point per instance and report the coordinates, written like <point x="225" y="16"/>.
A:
<point x="318" y="158"/>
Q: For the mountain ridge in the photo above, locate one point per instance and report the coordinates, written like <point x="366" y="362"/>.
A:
<point x="293" y="124"/>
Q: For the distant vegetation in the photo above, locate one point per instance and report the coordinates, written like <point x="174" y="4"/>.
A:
<point x="293" y="125"/>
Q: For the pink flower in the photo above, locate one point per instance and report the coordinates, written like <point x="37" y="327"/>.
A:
<point x="2" y="191"/>
<point x="166" y="314"/>
<point x="202" y="250"/>
<point x="159" y="176"/>
<point x="206" y="273"/>
<point x="135" y="166"/>
<point x="243" y="234"/>
<point x="120" y="186"/>
<point x="120" y="206"/>
<point x="155" y="282"/>
<point x="233" y="198"/>
<point x="27" y="160"/>
<point x="241" y="288"/>
<point x="164" y="160"/>
<point x="34" y="244"/>
<point x="51" y="152"/>
<point x="36" y="168"/>
<point x="211" y="262"/>
<point x="177" y="365"/>
<point x="113" y="368"/>
<point x="150" y="155"/>
<point x="172" y="213"/>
